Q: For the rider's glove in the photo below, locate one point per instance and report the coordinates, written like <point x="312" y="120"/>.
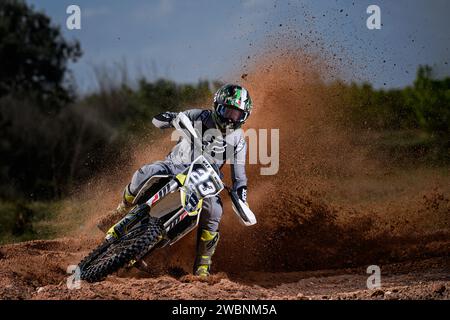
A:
<point x="164" y="120"/>
<point x="242" y="194"/>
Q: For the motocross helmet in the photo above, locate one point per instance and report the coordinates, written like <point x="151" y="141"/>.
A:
<point x="232" y="106"/>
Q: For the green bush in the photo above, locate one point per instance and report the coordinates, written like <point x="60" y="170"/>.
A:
<point x="21" y="222"/>
<point x="430" y="101"/>
<point x="414" y="120"/>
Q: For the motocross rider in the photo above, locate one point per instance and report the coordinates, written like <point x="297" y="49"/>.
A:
<point x="231" y="108"/>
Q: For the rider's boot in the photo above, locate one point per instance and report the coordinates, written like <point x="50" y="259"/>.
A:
<point x="206" y="245"/>
<point x="107" y="221"/>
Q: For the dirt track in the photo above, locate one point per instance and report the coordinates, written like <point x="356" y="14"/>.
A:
<point x="37" y="270"/>
<point x="332" y="210"/>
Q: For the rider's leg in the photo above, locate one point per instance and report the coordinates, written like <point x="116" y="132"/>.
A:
<point x="141" y="176"/>
<point x="208" y="235"/>
<point x="131" y="190"/>
<point x="122" y="209"/>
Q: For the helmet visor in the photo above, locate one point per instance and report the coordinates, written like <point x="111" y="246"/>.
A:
<point x="232" y="114"/>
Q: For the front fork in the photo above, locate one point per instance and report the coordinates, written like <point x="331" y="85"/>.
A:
<point x="139" y="212"/>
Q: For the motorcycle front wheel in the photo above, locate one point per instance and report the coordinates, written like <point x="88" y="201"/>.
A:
<point x="111" y="256"/>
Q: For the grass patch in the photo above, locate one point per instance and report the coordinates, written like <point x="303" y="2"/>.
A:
<point x="22" y="221"/>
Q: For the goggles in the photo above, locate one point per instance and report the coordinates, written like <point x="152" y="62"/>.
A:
<point x="231" y="114"/>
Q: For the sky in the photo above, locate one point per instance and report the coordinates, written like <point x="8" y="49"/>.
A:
<point x="190" y="40"/>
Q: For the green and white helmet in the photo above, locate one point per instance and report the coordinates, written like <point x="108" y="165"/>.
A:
<point x="232" y="106"/>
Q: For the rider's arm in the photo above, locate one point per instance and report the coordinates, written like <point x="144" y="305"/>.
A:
<point x="164" y="120"/>
<point x="238" y="170"/>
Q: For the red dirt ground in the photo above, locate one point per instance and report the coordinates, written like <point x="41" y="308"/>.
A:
<point x="332" y="210"/>
<point x="37" y="270"/>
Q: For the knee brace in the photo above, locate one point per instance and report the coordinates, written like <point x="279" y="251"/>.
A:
<point x="128" y="197"/>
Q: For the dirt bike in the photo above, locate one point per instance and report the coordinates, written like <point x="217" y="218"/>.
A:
<point x="166" y="209"/>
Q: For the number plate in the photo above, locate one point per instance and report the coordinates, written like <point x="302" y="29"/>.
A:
<point x="203" y="179"/>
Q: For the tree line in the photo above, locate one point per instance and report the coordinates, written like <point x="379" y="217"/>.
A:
<point x="51" y="138"/>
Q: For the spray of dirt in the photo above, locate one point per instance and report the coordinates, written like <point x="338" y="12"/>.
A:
<point x="330" y="205"/>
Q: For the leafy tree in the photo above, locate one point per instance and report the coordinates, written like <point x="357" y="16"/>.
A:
<point x="34" y="55"/>
<point x="34" y="58"/>
<point x="430" y="101"/>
